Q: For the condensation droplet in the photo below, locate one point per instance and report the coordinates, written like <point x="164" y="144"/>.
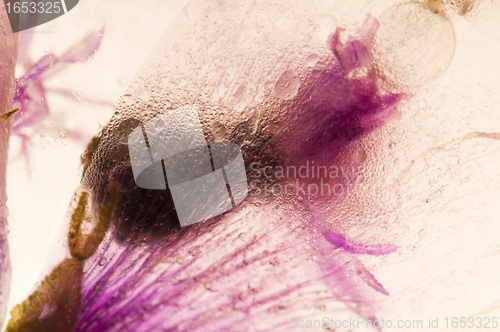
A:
<point x="359" y="156"/>
<point x="312" y="59"/>
<point x="127" y="99"/>
<point x="287" y="86"/>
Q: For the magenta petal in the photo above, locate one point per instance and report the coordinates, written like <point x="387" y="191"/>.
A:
<point x="34" y="73"/>
<point x="355" y="53"/>
<point x="367" y="277"/>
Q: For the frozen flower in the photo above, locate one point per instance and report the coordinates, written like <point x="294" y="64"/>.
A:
<point x="263" y="79"/>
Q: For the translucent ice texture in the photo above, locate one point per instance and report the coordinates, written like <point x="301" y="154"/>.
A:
<point x="267" y="77"/>
<point x="339" y="241"/>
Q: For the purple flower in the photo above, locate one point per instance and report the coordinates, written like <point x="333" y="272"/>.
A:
<point x="30" y="94"/>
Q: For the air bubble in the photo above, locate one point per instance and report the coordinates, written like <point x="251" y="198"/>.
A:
<point x="287" y="86"/>
<point x="312" y="59"/>
<point x="128" y="99"/>
<point x="414" y="45"/>
<point x="359" y="156"/>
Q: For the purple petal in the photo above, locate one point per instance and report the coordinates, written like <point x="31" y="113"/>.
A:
<point x="356" y="247"/>
<point x="367" y="277"/>
<point x="33" y="74"/>
<point x="85" y="49"/>
<point x="354" y="53"/>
